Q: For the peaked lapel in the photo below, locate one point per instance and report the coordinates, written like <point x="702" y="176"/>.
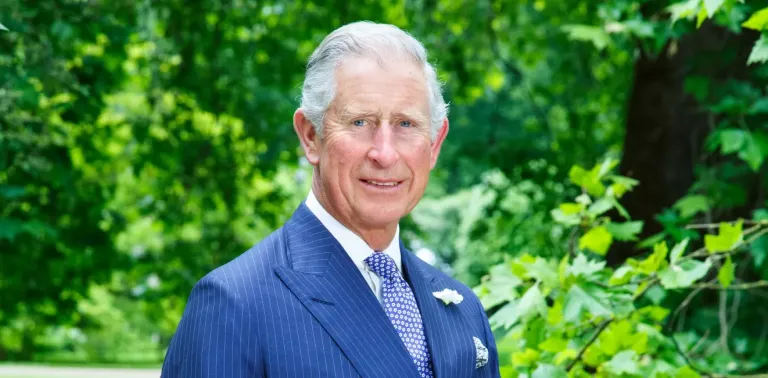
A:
<point x="450" y="343"/>
<point x="330" y="286"/>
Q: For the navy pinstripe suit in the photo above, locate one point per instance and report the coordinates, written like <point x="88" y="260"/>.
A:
<point x="295" y="305"/>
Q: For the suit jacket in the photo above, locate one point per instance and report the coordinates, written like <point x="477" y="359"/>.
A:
<point x="295" y="305"/>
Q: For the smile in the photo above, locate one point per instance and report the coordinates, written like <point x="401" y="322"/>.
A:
<point x="381" y="184"/>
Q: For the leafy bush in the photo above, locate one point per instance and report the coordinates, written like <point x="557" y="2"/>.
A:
<point x="575" y="316"/>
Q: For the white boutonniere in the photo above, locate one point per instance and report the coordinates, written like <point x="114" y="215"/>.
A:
<point x="448" y="296"/>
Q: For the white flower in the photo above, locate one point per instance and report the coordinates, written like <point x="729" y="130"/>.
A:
<point x="448" y="296"/>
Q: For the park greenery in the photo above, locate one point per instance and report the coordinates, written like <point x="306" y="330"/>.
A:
<point x="602" y="188"/>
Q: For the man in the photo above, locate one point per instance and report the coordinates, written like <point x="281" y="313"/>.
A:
<point x="334" y="293"/>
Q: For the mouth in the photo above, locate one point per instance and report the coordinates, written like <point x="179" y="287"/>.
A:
<point x="382" y="184"/>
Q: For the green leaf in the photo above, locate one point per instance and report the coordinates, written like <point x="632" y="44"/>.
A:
<point x="654" y="262"/>
<point x="624" y="363"/>
<point x="590" y="180"/>
<point x="542" y="270"/>
<point x="622" y="275"/>
<point x="729" y="237"/>
<point x="752" y="154"/>
<point x="760" y="106"/>
<point x="759" y="53"/>
<point x="687" y="372"/>
<point x="577" y="175"/>
<point x="726" y="273"/>
<point x="565" y="219"/>
<point x="712" y="6"/>
<point x="758" y="21"/>
<point x="532" y="303"/>
<point x="600" y="206"/>
<point x="691" y="205"/>
<point x="598" y="240"/>
<point x="678" y="250"/>
<point x="731" y="140"/>
<point x="684" y="274"/>
<point x="622" y="211"/>
<point x="506" y="317"/>
<point x="501" y="286"/>
<point x="626" y="231"/>
<point x="3" y="28"/>
<point x="701" y="17"/>
<point x="577" y="301"/>
<point x="599" y="37"/>
<point x="528" y="357"/>
<point x="583" y="267"/>
<point x="570" y="208"/>
<point x="683" y="9"/>
<point x="554" y="345"/>
<point x="549" y="371"/>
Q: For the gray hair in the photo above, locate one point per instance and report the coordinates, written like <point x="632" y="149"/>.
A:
<point x="368" y="39"/>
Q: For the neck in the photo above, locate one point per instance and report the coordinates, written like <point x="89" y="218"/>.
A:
<point x="378" y="238"/>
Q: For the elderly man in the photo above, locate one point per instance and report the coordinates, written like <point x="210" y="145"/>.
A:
<point x="334" y="292"/>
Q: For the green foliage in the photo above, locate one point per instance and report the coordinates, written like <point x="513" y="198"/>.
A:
<point x="577" y="317"/>
<point x="144" y="143"/>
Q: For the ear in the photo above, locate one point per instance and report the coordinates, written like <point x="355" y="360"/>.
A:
<point x="308" y="137"/>
<point x="437" y="143"/>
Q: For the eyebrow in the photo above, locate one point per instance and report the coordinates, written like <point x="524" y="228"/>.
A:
<point x="351" y="111"/>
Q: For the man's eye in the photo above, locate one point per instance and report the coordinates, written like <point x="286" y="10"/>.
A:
<point x="406" y="124"/>
<point x="359" y="122"/>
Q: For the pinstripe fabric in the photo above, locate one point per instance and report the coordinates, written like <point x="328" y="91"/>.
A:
<point x="295" y="305"/>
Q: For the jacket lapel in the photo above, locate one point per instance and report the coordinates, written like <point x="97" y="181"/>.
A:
<point x="330" y="286"/>
<point x="450" y="342"/>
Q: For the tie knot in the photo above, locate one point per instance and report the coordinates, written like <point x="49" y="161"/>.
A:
<point x="382" y="264"/>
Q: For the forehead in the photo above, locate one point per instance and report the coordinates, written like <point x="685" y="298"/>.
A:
<point x="366" y="84"/>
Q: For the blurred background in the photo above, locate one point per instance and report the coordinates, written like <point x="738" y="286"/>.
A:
<point x="144" y="143"/>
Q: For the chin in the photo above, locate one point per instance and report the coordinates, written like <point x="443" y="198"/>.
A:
<point x="378" y="217"/>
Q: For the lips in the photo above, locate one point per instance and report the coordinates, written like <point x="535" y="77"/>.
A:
<point x="382" y="183"/>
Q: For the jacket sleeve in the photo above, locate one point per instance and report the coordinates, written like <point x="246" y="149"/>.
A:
<point x="215" y="337"/>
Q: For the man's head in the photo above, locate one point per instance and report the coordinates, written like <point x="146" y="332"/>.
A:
<point x="372" y="120"/>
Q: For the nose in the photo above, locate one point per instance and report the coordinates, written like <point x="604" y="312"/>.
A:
<point x="384" y="152"/>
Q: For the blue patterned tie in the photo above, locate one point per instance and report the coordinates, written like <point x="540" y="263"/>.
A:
<point x="400" y="305"/>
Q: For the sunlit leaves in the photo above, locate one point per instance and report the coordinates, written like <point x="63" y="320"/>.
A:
<point x="3" y="28"/>
<point x="624" y="362"/>
<point x="532" y="303"/>
<point x="549" y="371"/>
<point x="684" y="9"/>
<point x="758" y="20"/>
<point x="759" y="53"/>
<point x="595" y="35"/>
<point x="582" y="266"/>
<point x="678" y="250"/>
<point x="598" y="240"/>
<point x="731" y="140"/>
<point x="579" y="301"/>
<point x="712" y="6"/>
<point x="729" y="236"/>
<point x="626" y="231"/>
<point x="684" y="274"/>
<point x="727" y="272"/>
<point x="691" y="205"/>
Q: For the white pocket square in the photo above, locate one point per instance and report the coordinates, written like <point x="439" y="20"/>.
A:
<point x="482" y="353"/>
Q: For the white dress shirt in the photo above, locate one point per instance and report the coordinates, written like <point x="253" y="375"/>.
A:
<point x="357" y="249"/>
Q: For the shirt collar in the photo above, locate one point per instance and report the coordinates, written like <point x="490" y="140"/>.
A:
<point x="357" y="249"/>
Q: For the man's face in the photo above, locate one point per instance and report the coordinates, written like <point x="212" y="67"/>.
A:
<point x="375" y="155"/>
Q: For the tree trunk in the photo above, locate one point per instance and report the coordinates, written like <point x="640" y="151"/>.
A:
<point x="666" y="127"/>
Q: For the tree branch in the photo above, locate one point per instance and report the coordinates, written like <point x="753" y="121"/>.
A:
<point x="742" y="286"/>
<point x="591" y="341"/>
